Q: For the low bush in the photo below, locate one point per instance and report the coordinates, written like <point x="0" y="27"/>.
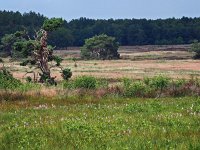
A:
<point x="7" y="81"/>
<point x="135" y="89"/>
<point x="177" y="88"/>
<point x="66" y="74"/>
<point x="86" y="82"/>
<point x="28" y="79"/>
<point x="159" y="83"/>
<point x="159" y="86"/>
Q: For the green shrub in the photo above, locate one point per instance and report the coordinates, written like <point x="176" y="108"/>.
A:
<point x="87" y="82"/>
<point x="179" y="82"/>
<point x="66" y="74"/>
<point x="147" y="80"/>
<point x="159" y="83"/>
<point x="28" y="79"/>
<point x="126" y="82"/>
<point x="178" y="88"/>
<point x="102" y="83"/>
<point x="100" y="47"/>
<point x="7" y="81"/>
<point x="58" y="60"/>
<point x="135" y="89"/>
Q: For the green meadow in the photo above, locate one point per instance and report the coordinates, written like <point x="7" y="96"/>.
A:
<point x="105" y="123"/>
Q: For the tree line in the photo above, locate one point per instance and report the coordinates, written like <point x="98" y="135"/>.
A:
<point x="126" y="31"/>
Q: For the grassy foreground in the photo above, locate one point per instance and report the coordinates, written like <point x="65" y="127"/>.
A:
<point x="86" y="123"/>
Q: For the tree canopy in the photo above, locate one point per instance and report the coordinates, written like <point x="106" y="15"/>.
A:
<point x="100" y="47"/>
<point x="126" y="31"/>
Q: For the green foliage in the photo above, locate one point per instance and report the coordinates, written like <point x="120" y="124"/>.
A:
<point x="44" y="78"/>
<point x="28" y="79"/>
<point x="7" y="81"/>
<point x="127" y="31"/>
<point x="66" y="74"/>
<point x="134" y="89"/>
<point x="87" y="82"/>
<point x="16" y="45"/>
<point x="52" y="24"/>
<point x="61" y="38"/>
<point x="100" y="47"/>
<point x="178" y="83"/>
<point x="157" y="83"/>
<point x="146" y="87"/>
<point x="160" y="82"/>
<point x="28" y="61"/>
<point x="84" y="82"/>
<point x="23" y="48"/>
<point x="7" y="42"/>
<point x="196" y="48"/>
<point x="126" y="82"/>
<point x="58" y="60"/>
<point x="20" y="45"/>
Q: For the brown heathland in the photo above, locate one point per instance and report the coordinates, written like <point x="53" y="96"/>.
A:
<point x="134" y="64"/>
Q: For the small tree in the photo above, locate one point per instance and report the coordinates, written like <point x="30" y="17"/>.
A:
<point x="100" y="47"/>
<point x="36" y="51"/>
<point x="11" y="43"/>
<point x="66" y="74"/>
<point x="196" y="48"/>
<point x="42" y="53"/>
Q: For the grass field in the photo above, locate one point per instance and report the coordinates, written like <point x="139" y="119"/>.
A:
<point x="100" y="124"/>
<point x="55" y="118"/>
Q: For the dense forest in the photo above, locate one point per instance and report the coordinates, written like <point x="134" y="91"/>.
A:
<point x="126" y="31"/>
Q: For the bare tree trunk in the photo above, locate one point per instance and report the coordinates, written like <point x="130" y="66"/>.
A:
<point x="44" y="53"/>
<point x="41" y="56"/>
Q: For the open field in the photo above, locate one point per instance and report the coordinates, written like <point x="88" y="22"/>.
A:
<point x="115" y="69"/>
<point x="139" y="52"/>
<point x="146" y="114"/>
<point x="136" y="69"/>
<point x="175" y="63"/>
<point x="100" y="124"/>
